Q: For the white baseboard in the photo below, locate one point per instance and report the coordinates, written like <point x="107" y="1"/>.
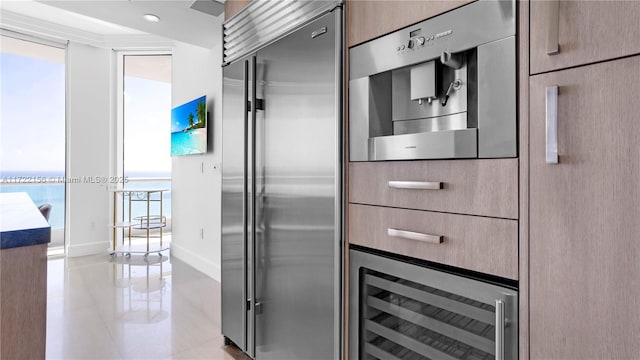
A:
<point x="92" y="248"/>
<point x="206" y="266"/>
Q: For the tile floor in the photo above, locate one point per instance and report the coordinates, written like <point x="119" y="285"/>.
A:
<point x="131" y="309"/>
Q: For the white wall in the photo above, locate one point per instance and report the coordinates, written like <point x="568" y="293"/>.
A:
<point x="196" y="179"/>
<point x="89" y="133"/>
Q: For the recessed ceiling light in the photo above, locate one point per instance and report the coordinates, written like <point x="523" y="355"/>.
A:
<point x="151" y="18"/>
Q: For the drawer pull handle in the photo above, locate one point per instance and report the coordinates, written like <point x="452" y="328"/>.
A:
<point x="417" y="185"/>
<point x="434" y="239"/>
<point x="551" y="125"/>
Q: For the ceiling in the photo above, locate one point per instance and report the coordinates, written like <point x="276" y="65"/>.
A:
<point x="111" y="22"/>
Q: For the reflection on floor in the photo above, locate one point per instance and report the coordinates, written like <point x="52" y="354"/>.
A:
<point x="129" y="308"/>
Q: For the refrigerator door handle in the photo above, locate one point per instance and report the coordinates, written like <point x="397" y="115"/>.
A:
<point x="245" y="194"/>
<point x="245" y="198"/>
<point x="251" y="343"/>
<point x="254" y="110"/>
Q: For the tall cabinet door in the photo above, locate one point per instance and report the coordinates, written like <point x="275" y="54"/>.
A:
<point x="585" y="214"/>
<point x="568" y="33"/>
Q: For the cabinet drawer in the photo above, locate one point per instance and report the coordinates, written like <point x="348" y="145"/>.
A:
<point x="584" y="31"/>
<point x="486" y="245"/>
<point x="477" y="187"/>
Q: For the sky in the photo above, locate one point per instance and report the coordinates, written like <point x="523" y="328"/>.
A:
<point x="32" y="119"/>
<point x="147" y="135"/>
<point x="32" y="115"/>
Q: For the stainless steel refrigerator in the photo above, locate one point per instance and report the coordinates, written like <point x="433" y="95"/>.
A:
<point x="282" y="191"/>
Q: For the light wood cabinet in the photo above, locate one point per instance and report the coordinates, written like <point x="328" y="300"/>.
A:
<point x="585" y="214"/>
<point x="487" y="187"/>
<point x="369" y="19"/>
<point x="587" y="32"/>
<point x="232" y="7"/>
<point x="523" y="181"/>
<point x="23" y="302"/>
<point x="482" y="244"/>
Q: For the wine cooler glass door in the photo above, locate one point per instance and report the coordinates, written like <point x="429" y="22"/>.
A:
<point x="404" y="311"/>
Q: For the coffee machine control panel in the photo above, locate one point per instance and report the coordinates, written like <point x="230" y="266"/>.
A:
<point x="417" y="40"/>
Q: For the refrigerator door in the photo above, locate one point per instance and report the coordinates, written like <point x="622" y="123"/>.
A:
<point x="236" y="234"/>
<point x="298" y="190"/>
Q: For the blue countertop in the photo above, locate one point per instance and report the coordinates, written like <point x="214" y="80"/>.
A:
<point x="21" y="223"/>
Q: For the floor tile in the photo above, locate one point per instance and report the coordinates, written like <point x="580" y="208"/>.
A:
<point x="133" y="308"/>
<point x="213" y="349"/>
<point x="79" y="334"/>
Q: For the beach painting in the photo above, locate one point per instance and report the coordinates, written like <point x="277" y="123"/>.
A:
<point x="189" y="128"/>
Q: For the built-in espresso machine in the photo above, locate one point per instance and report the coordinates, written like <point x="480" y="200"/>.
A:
<point x="441" y="89"/>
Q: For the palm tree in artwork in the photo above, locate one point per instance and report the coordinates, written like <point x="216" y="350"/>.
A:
<point x="201" y="110"/>
<point x="190" y="117"/>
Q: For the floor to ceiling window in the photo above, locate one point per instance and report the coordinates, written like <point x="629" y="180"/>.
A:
<point x="146" y="159"/>
<point x="32" y="126"/>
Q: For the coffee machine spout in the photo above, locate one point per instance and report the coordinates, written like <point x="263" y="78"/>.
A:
<point x="454" y="61"/>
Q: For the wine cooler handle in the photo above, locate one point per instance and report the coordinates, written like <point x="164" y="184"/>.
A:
<point x="551" y="124"/>
<point x="500" y="324"/>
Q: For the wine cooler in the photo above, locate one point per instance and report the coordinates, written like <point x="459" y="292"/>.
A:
<point x="400" y="310"/>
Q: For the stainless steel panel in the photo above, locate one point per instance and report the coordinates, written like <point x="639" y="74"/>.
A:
<point x="497" y="99"/>
<point x="339" y="268"/>
<point x="297" y="175"/>
<point x="359" y="119"/>
<point x="234" y="229"/>
<point x="426" y="145"/>
<point x="262" y="22"/>
<point x="448" y="122"/>
<point x="462" y="29"/>
<point x="422" y="291"/>
<point x="380" y="104"/>
<point x="369" y="112"/>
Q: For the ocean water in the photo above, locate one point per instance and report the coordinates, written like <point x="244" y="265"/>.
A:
<point x="54" y="194"/>
<point x="191" y="142"/>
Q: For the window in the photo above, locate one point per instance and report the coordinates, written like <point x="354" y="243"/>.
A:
<point x="146" y="159"/>
<point x="32" y="126"/>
